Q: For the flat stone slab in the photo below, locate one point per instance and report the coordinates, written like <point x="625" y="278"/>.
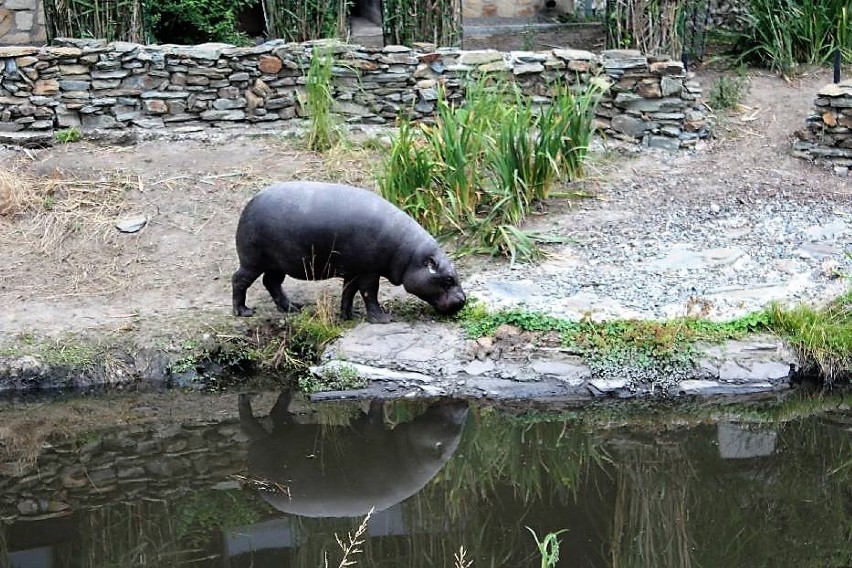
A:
<point x="404" y="359"/>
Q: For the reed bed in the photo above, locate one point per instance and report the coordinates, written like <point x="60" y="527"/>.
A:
<point x="113" y="20"/>
<point x="307" y="19"/>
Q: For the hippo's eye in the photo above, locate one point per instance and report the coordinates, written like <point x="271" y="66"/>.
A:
<point x="449" y="282"/>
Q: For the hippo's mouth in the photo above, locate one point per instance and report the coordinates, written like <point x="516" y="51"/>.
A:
<point x="449" y="304"/>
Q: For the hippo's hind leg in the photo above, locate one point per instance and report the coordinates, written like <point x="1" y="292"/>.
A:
<point x="350" y="286"/>
<point x="368" y="286"/>
<point x="240" y="283"/>
<point x="272" y="282"/>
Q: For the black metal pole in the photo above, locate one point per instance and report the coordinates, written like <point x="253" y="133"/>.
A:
<point x="837" y="65"/>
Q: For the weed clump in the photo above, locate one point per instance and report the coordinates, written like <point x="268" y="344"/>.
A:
<point x="728" y="91"/>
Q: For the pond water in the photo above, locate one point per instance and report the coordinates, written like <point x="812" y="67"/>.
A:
<point x="272" y="482"/>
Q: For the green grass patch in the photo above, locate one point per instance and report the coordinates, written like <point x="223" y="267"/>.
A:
<point x="822" y="337"/>
<point x="637" y="349"/>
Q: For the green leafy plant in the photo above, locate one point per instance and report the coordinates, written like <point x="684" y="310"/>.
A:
<point x="68" y="135"/>
<point x="548" y="547"/>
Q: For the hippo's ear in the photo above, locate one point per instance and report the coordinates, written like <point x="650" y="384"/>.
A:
<point x="431" y="264"/>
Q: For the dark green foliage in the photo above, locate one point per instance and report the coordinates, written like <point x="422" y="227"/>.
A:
<point x="436" y="21"/>
<point x="191" y="22"/>
<point x="779" y="34"/>
<point x="303" y="20"/>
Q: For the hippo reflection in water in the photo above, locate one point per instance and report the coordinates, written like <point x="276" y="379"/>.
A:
<point x="344" y="471"/>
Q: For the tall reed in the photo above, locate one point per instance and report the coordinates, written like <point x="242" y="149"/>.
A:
<point x="436" y="21"/>
<point x="103" y="19"/>
<point x="779" y="34"/>
<point x="480" y="168"/>
<point x="323" y="133"/>
<point x="303" y="20"/>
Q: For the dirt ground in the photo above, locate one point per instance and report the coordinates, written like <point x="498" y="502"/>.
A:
<point x="62" y="272"/>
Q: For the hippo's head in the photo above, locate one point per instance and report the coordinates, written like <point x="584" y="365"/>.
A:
<point x="432" y="277"/>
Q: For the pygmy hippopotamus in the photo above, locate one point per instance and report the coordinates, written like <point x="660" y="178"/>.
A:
<point x="320" y="470"/>
<point x="314" y="231"/>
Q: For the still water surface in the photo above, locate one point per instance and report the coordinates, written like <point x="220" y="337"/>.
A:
<point x="271" y="484"/>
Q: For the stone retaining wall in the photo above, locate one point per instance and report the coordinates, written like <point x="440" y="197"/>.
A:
<point x="827" y="136"/>
<point x="91" y="85"/>
<point x="135" y="462"/>
<point x="22" y="22"/>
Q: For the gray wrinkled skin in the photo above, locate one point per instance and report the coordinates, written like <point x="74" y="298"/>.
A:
<point x="315" y="231"/>
<point x="344" y="471"/>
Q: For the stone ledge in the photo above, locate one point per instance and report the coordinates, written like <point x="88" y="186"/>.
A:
<point x="396" y="361"/>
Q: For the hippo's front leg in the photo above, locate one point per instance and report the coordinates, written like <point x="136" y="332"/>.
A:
<point x="368" y="286"/>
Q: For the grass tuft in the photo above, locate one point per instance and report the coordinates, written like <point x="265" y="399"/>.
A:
<point x="323" y="132"/>
<point x="822" y="337"/>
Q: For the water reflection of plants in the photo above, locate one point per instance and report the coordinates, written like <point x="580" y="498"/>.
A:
<point x="653" y="494"/>
<point x="650" y="522"/>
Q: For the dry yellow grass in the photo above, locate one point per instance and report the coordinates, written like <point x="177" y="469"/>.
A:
<point x="16" y="192"/>
<point x="56" y="209"/>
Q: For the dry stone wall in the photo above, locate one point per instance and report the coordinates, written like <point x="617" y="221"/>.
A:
<point x="134" y="462"/>
<point x="827" y="136"/>
<point x="22" y="22"/>
<point x="92" y="85"/>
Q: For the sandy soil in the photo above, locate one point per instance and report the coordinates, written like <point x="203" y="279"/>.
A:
<point x="191" y="191"/>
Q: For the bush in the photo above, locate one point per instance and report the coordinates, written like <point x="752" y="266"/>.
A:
<point x="480" y="168"/>
<point x="779" y="34"/>
<point x="190" y="22"/>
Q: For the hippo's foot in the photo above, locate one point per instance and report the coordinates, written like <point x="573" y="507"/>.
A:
<point x="243" y="311"/>
<point x="378" y="316"/>
<point x="288" y="307"/>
